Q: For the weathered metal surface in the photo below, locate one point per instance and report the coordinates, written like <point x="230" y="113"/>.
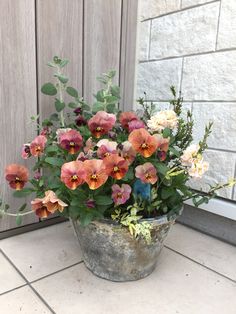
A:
<point x="112" y="253"/>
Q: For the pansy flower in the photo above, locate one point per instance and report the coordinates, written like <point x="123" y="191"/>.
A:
<point x="116" y="166"/>
<point x="136" y="124"/>
<point x="127" y="152"/>
<point x="127" y="117"/>
<point x="25" y="152"/>
<point x="106" y="148"/>
<point x="72" y="174"/>
<point x="71" y="141"/>
<point x="17" y="176"/>
<point x="37" y="145"/>
<point x="120" y="194"/>
<point x="101" y="123"/>
<point x="143" y="142"/>
<point x="146" y="173"/>
<point x="95" y="174"/>
<point x="43" y="207"/>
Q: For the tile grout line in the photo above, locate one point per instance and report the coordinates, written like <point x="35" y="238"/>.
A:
<point x="13" y="289"/>
<point x="180" y="10"/>
<point x="204" y="266"/>
<point x="56" y="272"/>
<point x="27" y="282"/>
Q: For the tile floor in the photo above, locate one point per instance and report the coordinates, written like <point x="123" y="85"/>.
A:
<point x="43" y="272"/>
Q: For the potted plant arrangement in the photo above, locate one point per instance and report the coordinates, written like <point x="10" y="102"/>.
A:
<point x="121" y="177"/>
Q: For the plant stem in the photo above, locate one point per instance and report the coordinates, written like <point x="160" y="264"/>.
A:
<point x="19" y="214"/>
<point x="61" y="98"/>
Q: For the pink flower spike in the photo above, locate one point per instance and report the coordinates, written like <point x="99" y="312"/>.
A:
<point x="120" y="194"/>
<point x="38" y="145"/>
<point x="136" y="124"/>
<point x="146" y="173"/>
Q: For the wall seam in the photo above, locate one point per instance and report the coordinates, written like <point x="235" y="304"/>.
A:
<point x="83" y="48"/>
<point x="181" y="75"/>
<point x="193" y="100"/>
<point x="121" y="31"/>
<point x="36" y="58"/>
<point x="190" y="55"/>
<point x="150" y="39"/>
<point x="234" y="188"/>
<point x="181" y="10"/>
<point x="218" y="26"/>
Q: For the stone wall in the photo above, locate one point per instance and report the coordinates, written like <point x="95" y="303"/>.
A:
<point x="191" y="44"/>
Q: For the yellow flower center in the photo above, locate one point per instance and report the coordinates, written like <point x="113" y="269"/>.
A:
<point x="74" y="177"/>
<point x="116" y="169"/>
<point x="98" y="129"/>
<point x="38" y="149"/>
<point x="144" y="146"/>
<point x="119" y="195"/>
<point x="72" y="144"/>
<point x="94" y="177"/>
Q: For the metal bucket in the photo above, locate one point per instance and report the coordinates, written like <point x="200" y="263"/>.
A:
<point x="111" y="252"/>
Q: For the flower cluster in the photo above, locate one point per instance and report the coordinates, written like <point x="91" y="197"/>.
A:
<point x="98" y="161"/>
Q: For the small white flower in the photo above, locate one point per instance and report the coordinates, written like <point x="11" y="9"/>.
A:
<point x="189" y="155"/>
<point x="163" y="119"/>
<point x="198" y="168"/>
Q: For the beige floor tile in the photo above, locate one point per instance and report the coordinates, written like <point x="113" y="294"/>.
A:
<point x="178" y="285"/>
<point x="43" y="251"/>
<point x="22" y="301"/>
<point x="9" y="278"/>
<point x="205" y="249"/>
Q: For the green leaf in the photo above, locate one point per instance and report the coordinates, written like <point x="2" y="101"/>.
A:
<point x="72" y="105"/>
<point x="63" y="63"/>
<point x="59" y="105"/>
<point x="103" y="200"/>
<point x="62" y="78"/>
<point x="54" y="117"/>
<point x="166" y="133"/>
<point x="49" y="89"/>
<point x="54" y="161"/>
<point x="100" y="95"/>
<point x="167" y="192"/>
<point x="162" y="168"/>
<point x="22" y="207"/>
<point x="111" y="73"/>
<point x="111" y="99"/>
<point x="73" y="211"/>
<point x="174" y="151"/>
<point x="115" y="90"/>
<point x="18" y="220"/>
<point x="72" y="91"/>
<point x="23" y="193"/>
<point x="52" y="149"/>
<point x="86" y="107"/>
<point x="51" y="64"/>
<point x="111" y="108"/>
<point x="98" y="106"/>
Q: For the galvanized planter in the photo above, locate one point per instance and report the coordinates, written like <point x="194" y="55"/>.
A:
<point x="110" y="251"/>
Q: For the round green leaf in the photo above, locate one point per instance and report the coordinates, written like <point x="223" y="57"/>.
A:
<point x="49" y="89"/>
<point x="72" y="91"/>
